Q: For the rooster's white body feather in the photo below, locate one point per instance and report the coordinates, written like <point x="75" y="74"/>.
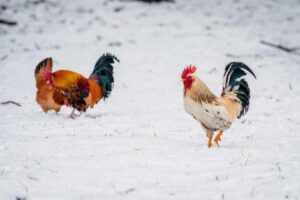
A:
<point x="211" y="116"/>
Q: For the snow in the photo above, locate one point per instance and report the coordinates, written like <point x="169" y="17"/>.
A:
<point x="140" y="143"/>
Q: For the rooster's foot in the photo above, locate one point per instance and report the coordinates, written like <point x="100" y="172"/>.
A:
<point x="218" y="138"/>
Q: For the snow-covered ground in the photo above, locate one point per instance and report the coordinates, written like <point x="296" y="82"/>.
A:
<point x="140" y="144"/>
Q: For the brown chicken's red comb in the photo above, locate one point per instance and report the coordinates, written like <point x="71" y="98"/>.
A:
<point x="188" y="70"/>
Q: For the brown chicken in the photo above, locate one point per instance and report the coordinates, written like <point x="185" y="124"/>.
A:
<point x="64" y="87"/>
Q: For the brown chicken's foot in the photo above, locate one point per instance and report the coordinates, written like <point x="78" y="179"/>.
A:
<point x="73" y="115"/>
<point x="218" y="138"/>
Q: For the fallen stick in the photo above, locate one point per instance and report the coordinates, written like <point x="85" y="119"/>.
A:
<point x="9" y="23"/>
<point x="156" y="1"/>
<point x="281" y="47"/>
<point x="12" y="102"/>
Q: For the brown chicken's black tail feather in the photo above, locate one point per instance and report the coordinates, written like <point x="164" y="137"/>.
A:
<point x="103" y="73"/>
<point x="47" y="63"/>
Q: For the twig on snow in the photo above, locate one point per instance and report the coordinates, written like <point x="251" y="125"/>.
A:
<point x="281" y="47"/>
<point x="12" y="102"/>
<point x="156" y="1"/>
<point x="39" y="2"/>
<point x="125" y="192"/>
<point x="232" y="56"/>
<point x="7" y="22"/>
<point x="20" y="198"/>
<point x="3" y="57"/>
<point x="278" y="167"/>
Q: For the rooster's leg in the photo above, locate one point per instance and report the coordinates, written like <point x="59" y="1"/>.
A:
<point x="209" y="142"/>
<point x="218" y="137"/>
<point x="209" y="135"/>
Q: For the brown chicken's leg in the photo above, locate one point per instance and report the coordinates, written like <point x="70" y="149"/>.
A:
<point x="218" y="137"/>
<point x="73" y="115"/>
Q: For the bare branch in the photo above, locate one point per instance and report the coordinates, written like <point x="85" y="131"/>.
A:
<point x="7" y="22"/>
<point x="12" y="102"/>
<point x="280" y="47"/>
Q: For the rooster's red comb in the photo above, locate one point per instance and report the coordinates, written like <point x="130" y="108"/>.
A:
<point x="188" y="70"/>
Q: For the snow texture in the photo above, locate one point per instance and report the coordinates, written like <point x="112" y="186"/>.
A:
<point x="140" y="143"/>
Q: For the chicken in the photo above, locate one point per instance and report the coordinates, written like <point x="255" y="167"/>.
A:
<point x="212" y="112"/>
<point x="64" y="87"/>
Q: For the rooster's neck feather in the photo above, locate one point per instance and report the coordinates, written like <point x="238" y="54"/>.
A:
<point x="200" y="93"/>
